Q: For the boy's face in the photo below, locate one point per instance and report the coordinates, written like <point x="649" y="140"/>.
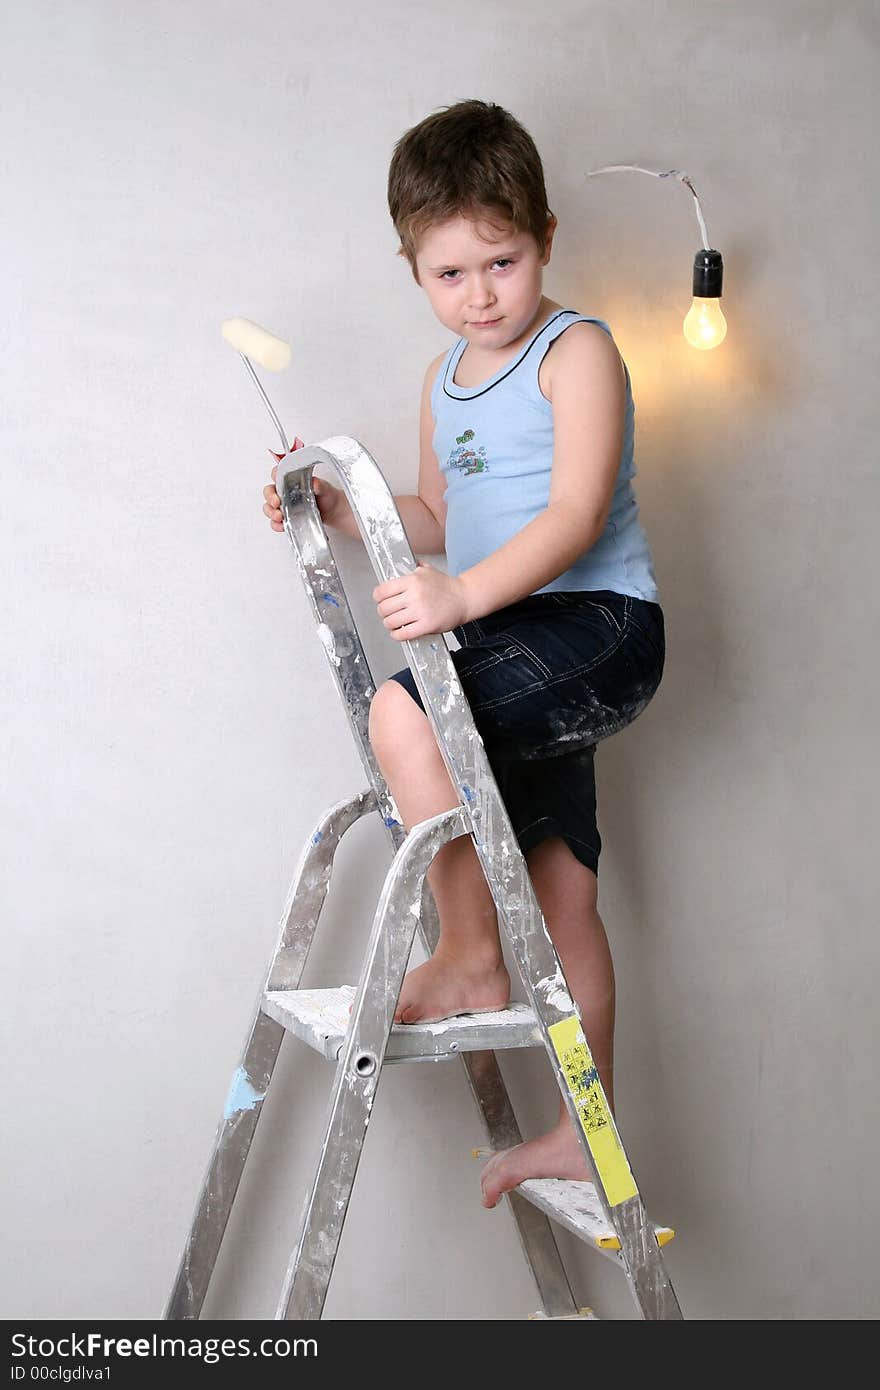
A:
<point x="486" y="292"/>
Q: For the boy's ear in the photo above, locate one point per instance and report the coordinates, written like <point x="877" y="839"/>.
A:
<point x="548" y="238"/>
<point x="411" y="263"/>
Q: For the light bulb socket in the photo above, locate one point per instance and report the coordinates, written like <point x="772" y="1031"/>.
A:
<point x="708" y="274"/>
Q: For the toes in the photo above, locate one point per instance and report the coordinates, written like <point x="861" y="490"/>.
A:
<point x="500" y="1175"/>
<point x="490" y="1196"/>
<point x="489" y="1184"/>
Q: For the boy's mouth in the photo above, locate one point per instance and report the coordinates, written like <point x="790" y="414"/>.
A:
<point x="484" y="323"/>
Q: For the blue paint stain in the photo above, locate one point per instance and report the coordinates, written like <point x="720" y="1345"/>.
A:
<point x="317" y="837"/>
<point x="389" y="821"/>
<point x="242" y="1095"/>
<point x="433" y="646"/>
<point x="468" y="792"/>
<point x="328" y="598"/>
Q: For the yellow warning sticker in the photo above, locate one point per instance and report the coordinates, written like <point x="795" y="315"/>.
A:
<point x="596" y="1119"/>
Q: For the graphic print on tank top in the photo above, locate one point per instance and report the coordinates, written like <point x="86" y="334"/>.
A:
<point x="465" y="458"/>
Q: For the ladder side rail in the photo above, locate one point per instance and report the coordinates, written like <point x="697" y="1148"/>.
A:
<point x="503" y="864"/>
<point x="308" y="891"/>
<point x="359" y="1066"/>
<point x="250" y="1081"/>
<point x="334" y="619"/>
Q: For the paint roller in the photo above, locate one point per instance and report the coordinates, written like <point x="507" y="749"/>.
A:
<point x="252" y="341"/>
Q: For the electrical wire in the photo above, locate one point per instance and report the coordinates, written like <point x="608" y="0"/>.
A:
<point x="658" y="174"/>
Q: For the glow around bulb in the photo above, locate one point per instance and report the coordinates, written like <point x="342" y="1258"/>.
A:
<point x="705" y="326"/>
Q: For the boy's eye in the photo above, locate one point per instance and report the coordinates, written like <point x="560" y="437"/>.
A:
<point x="502" y="261"/>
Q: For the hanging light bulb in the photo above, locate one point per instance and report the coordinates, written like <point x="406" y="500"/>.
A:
<point x="705" y="326"/>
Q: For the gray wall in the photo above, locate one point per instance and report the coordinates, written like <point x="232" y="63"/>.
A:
<point x="171" y="165"/>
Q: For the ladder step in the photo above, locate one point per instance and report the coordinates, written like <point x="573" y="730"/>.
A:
<point x="576" y="1206"/>
<point x="320" y="1017"/>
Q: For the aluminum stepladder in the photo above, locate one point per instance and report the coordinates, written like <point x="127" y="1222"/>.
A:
<point x="611" y="1215"/>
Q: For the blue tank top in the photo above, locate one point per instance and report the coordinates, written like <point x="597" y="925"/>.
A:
<point x="494" y="443"/>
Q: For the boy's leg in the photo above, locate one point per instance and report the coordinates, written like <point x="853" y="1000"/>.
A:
<point x="467" y="968"/>
<point x="566" y="890"/>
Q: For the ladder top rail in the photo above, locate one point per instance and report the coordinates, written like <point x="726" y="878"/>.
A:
<point x="371" y="499"/>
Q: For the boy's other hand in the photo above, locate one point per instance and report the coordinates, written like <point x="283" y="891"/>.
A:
<point x="421" y="603"/>
<point x="330" y="499"/>
<point x="272" y="504"/>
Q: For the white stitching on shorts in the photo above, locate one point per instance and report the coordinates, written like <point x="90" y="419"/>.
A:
<point x="523" y="828"/>
<point x="594" y="603"/>
<point x="555" y="680"/>
<point x="609" y="615"/>
<point x="491" y="660"/>
<point x="591" y="847"/>
<point x="527" y="652"/>
<point x="563" y="834"/>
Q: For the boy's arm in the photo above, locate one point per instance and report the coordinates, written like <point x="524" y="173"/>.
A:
<point x="588" y="389"/>
<point x="424" y="515"/>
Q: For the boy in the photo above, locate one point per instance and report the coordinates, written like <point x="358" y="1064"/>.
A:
<point x="525" y="468"/>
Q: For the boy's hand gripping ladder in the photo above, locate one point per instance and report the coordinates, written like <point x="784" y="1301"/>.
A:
<point x="405" y="904"/>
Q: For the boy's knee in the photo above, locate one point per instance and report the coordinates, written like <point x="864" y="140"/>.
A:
<point x="561" y="882"/>
<point x="392" y="712"/>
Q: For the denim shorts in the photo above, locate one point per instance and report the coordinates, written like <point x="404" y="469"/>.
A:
<point x="547" y="679"/>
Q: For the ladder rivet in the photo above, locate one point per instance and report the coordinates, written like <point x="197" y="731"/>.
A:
<point x="365" y="1063"/>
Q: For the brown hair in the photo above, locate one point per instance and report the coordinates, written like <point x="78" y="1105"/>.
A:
<point x="472" y="158"/>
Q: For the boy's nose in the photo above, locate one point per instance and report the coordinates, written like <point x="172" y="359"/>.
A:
<point x="482" y="297"/>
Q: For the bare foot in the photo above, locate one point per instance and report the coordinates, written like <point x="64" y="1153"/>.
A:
<point x="445" y="986"/>
<point x="556" y="1154"/>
